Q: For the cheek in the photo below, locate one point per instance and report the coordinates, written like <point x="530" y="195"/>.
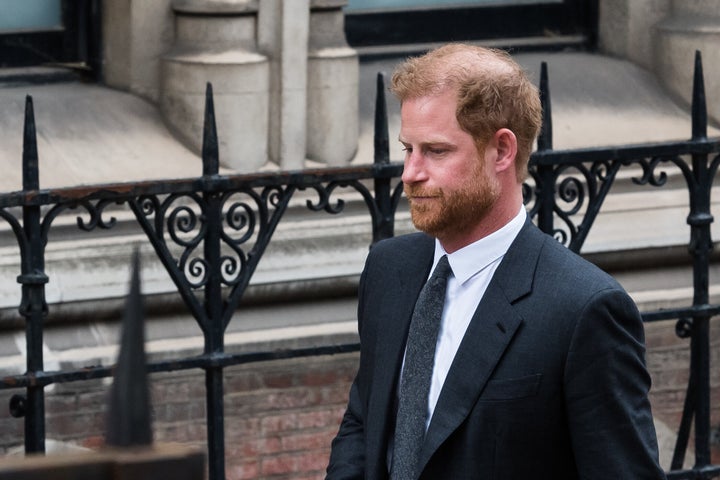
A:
<point x="472" y="173"/>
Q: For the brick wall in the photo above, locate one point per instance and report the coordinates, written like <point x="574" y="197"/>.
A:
<point x="281" y="416"/>
<point x="668" y="359"/>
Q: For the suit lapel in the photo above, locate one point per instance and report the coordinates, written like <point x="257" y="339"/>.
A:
<point x="491" y="330"/>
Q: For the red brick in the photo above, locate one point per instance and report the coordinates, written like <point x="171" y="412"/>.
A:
<point x="242" y="470"/>
<point x="305" y="441"/>
<point x="294" y="464"/>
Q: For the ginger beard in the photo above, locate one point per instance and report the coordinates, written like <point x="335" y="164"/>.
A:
<point x="454" y="212"/>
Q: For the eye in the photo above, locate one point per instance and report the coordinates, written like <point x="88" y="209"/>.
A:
<point x="437" y="150"/>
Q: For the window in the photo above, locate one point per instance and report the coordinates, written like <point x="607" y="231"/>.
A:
<point x="50" y="32"/>
<point x="370" y="23"/>
<point x="30" y="15"/>
<point x="359" y="5"/>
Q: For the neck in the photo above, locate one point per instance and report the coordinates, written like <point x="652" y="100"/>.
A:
<point x="500" y="215"/>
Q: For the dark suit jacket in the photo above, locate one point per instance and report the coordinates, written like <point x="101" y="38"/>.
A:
<point x="549" y="381"/>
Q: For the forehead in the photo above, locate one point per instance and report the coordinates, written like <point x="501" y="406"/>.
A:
<point x="429" y="116"/>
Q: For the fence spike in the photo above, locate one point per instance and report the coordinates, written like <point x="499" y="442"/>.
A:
<point x="545" y="140"/>
<point x="210" y="153"/>
<point x="699" y="103"/>
<point x="381" y="139"/>
<point x="128" y="422"/>
<point x="31" y="173"/>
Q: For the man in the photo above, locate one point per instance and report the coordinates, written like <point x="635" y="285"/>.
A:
<point x="538" y="370"/>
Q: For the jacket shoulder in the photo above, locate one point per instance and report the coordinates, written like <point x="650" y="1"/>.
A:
<point x="402" y="247"/>
<point x="573" y="267"/>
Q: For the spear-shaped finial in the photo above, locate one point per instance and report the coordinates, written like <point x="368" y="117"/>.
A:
<point x="545" y="140"/>
<point x="31" y="175"/>
<point x="210" y="150"/>
<point x="381" y="139"/>
<point x="699" y="105"/>
<point x="129" y="422"/>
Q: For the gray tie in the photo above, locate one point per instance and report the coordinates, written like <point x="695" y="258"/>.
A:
<point x="417" y="373"/>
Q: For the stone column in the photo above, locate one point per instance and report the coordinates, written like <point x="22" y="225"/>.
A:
<point x="136" y="33"/>
<point x="283" y="37"/>
<point x="215" y="41"/>
<point x="626" y="26"/>
<point x="692" y="25"/>
<point x="333" y="72"/>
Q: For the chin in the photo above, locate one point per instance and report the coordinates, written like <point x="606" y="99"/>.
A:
<point x="428" y="226"/>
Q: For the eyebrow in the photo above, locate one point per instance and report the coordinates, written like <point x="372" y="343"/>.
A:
<point x="430" y="143"/>
<point x="427" y="142"/>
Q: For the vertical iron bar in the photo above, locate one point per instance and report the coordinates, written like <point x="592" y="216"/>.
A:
<point x="697" y="398"/>
<point x="384" y="226"/>
<point x="683" y="435"/>
<point x="33" y="280"/>
<point x="700" y="247"/>
<point x="213" y="297"/>
<point x="546" y="187"/>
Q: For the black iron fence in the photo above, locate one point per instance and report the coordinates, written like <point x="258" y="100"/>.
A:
<point x="210" y="233"/>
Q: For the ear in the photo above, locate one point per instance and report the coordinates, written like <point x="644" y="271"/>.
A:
<point x="505" y="144"/>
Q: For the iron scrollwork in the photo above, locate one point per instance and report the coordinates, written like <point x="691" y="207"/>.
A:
<point x="650" y="176"/>
<point x="684" y="327"/>
<point x="579" y="187"/>
<point x="183" y="219"/>
<point x="325" y="203"/>
<point x="325" y="192"/>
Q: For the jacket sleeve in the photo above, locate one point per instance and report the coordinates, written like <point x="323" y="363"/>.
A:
<point x="606" y="392"/>
<point x="347" y="454"/>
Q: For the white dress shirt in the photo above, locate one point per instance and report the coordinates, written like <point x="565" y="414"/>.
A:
<point x="473" y="267"/>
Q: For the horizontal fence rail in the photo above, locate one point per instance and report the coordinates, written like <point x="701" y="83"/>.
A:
<point x="210" y="233"/>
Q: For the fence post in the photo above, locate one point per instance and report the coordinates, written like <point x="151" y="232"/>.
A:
<point x="33" y="279"/>
<point x="214" y="334"/>
<point x="700" y="247"/>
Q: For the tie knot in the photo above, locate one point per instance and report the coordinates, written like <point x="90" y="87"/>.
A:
<point x="442" y="269"/>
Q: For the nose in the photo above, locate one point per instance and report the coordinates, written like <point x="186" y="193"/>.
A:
<point x="413" y="169"/>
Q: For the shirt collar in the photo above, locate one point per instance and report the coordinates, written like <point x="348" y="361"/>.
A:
<point x="473" y="258"/>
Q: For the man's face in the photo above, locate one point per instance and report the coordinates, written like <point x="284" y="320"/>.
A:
<point x="450" y="186"/>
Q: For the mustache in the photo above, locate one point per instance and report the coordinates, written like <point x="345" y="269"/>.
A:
<point x="419" y="191"/>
